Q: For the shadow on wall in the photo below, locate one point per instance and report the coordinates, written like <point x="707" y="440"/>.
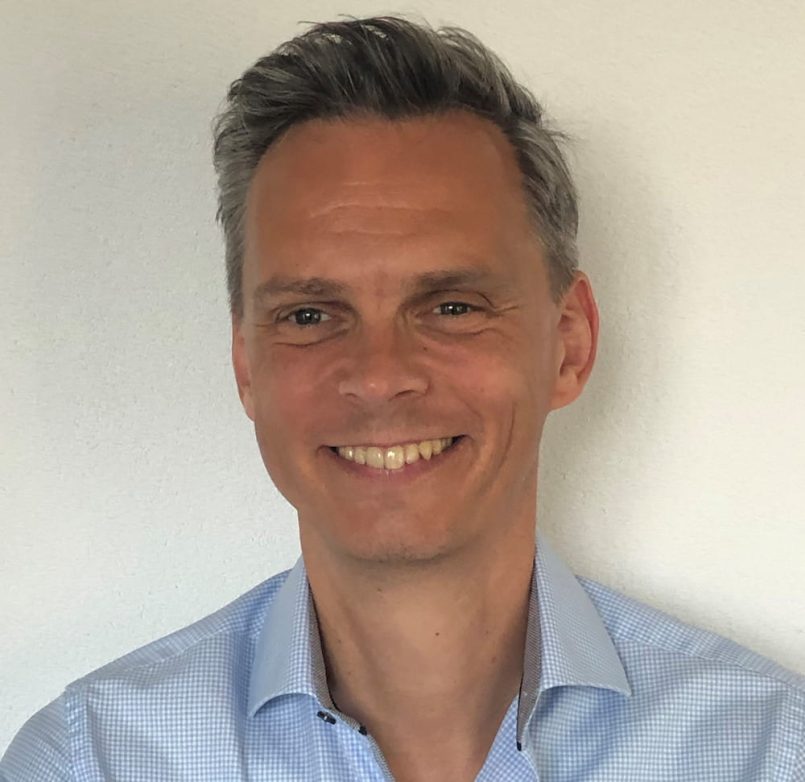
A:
<point x="598" y="454"/>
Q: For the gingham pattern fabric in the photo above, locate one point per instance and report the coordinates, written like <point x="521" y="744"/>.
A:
<point x="612" y="691"/>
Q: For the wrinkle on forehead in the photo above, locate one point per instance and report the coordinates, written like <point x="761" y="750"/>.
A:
<point x="355" y="217"/>
<point x="333" y="210"/>
<point x="388" y="162"/>
<point x="429" y="188"/>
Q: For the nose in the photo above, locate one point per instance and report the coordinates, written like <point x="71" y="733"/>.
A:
<point x="384" y="364"/>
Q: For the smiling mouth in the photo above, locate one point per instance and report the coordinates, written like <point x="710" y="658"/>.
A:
<point x="395" y="457"/>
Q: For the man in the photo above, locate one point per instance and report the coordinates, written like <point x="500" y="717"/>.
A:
<point x="406" y="311"/>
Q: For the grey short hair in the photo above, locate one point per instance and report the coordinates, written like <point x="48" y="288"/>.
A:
<point x="395" y="69"/>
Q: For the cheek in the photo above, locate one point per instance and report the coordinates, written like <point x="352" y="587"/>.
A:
<point x="286" y="407"/>
<point x="284" y="386"/>
<point x="510" y="373"/>
<point x="285" y="425"/>
<point x="512" y="394"/>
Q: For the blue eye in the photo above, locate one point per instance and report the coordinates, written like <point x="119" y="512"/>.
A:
<point x="307" y="316"/>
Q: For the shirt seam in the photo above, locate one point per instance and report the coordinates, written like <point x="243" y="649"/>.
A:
<point x="728" y="663"/>
<point x="90" y="677"/>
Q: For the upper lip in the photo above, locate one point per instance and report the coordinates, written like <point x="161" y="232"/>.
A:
<point x="389" y="443"/>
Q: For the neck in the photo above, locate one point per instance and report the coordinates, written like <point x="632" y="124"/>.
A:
<point x="427" y="657"/>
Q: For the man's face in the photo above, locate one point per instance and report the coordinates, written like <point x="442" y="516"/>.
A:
<point x="394" y="293"/>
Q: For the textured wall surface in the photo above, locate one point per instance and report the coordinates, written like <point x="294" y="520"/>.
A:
<point x="133" y="497"/>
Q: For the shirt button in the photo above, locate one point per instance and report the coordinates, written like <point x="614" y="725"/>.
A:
<point x="326" y="717"/>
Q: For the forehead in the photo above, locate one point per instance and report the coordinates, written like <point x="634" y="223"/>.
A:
<point x="324" y="186"/>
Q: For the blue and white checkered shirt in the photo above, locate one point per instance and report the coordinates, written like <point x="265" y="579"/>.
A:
<point x="612" y="691"/>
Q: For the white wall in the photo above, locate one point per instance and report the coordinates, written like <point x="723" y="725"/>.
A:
<point x="133" y="497"/>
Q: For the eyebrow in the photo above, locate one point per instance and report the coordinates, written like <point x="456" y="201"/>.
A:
<point x="448" y="279"/>
<point x="306" y="286"/>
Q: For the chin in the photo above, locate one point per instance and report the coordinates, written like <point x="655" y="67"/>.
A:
<point x="397" y="554"/>
<point x="393" y="541"/>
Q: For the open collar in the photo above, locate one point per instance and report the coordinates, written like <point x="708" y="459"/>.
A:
<point x="567" y="643"/>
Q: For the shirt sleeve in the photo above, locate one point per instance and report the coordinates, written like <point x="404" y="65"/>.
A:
<point x="40" y="749"/>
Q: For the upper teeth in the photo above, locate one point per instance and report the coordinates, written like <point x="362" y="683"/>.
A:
<point x="394" y="457"/>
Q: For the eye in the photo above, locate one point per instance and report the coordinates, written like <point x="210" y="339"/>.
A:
<point x="454" y="308"/>
<point x="307" y="316"/>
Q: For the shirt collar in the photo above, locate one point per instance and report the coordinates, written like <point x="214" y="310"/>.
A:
<point x="288" y="656"/>
<point x="567" y="643"/>
<point x="576" y="646"/>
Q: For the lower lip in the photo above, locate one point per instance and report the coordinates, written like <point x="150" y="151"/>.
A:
<point x="410" y="472"/>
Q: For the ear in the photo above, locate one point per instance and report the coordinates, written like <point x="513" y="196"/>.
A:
<point x="240" y="362"/>
<point x="577" y="342"/>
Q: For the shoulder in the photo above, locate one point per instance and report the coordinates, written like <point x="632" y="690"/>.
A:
<point x="703" y="695"/>
<point x="206" y="656"/>
<point x="232" y="627"/>
<point x="638" y="630"/>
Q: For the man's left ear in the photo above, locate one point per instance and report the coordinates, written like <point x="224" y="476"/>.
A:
<point x="577" y="341"/>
